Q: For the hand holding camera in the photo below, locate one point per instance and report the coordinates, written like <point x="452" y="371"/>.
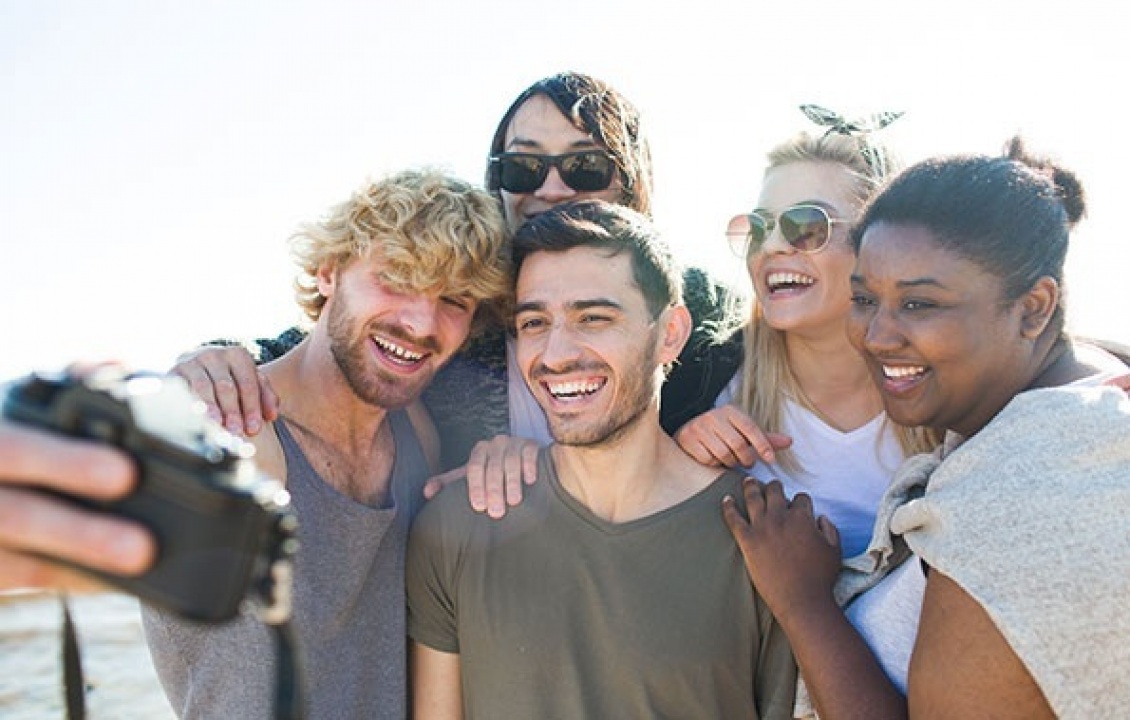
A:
<point x="225" y="535"/>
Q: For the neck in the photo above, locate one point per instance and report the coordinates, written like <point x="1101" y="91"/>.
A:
<point x="347" y="441"/>
<point x="316" y="394"/>
<point x="639" y="474"/>
<point x="834" y="379"/>
<point x="1058" y="365"/>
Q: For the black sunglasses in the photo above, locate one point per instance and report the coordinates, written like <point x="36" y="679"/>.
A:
<point x="584" y="171"/>
<point x="806" y="227"/>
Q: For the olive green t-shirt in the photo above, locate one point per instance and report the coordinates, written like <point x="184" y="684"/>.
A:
<point x="556" y="613"/>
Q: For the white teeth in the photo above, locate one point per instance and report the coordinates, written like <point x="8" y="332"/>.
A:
<point x="573" y="389"/>
<point x="777" y="279"/>
<point x="902" y="371"/>
<point x="397" y="351"/>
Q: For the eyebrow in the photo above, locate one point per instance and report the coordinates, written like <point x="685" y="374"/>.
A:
<point x="530" y="144"/>
<point x="917" y="282"/>
<point x="537" y="306"/>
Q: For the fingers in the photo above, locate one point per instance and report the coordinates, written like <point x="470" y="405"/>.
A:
<point x="23" y="571"/>
<point x="757" y="444"/>
<point x="32" y="522"/>
<point x="697" y="450"/>
<point x="733" y="518"/>
<point x="530" y="463"/>
<point x="35" y="522"/>
<point x="268" y="400"/>
<point x="439" y="482"/>
<point x="76" y="467"/>
<point x="228" y="382"/>
<point x="1122" y="382"/>
<point x="829" y="530"/>
<point x="243" y="411"/>
<point x="496" y="472"/>
<point x="712" y="440"/>
<point x="728" y="437"/>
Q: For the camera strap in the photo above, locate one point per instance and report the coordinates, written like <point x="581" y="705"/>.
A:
<point x="289" y="697"/>
<point x="74" y="685"/>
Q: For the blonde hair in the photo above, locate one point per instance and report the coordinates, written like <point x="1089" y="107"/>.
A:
<point x="432" y="233"/>
<point x="768" y="381"/>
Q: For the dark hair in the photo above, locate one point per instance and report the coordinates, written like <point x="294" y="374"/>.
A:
<point x="611" y="227"/>
<point x="596" y="108"/>
<point x="1011" y="215"/>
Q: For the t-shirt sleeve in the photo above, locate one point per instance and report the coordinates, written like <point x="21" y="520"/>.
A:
<point x="430" y="570"/>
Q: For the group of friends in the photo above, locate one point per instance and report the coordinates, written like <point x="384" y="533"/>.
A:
<point x="891" y="485"/>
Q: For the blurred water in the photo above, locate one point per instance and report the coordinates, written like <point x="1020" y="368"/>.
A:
<point x="119" y="676"/>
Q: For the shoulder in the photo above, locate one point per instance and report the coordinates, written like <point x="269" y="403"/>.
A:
<point x="449" y="514"/>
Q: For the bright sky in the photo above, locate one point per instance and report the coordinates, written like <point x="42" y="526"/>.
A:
<point x="155" y="156"/>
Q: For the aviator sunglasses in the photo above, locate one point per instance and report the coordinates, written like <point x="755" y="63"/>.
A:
<point x="806" y="227"/>
<point x="584" y="171"/>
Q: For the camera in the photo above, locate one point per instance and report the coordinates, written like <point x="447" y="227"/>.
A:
<point x="225" y="531"/>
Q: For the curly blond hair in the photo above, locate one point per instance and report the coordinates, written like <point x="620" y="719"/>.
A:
<point x="432" y="233"/>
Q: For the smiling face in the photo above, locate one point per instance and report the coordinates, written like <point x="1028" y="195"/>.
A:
<point x="587" y="345"/>
<point x="539" y="127"/>
<point x="944" y="349"/>
<point x="805" y="292"/>
<point x="389" y="344"/>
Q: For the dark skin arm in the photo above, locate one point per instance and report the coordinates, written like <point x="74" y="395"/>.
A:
<point x="793" y="559"/>
<point x="962" y="667"/>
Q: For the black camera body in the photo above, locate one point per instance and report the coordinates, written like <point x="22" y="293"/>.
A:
<point x="225" y="531"/>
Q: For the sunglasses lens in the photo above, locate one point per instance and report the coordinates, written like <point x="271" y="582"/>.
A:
<point x="805" y="227"/>
<point x="737" y="234"/>
<point x="587" y="171"/>
<point x="758" y="230"/>
<point x="521" y="173"/>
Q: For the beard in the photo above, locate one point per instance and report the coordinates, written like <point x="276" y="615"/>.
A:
<point x="637" y="396"/>
<point x="353" y="355"/>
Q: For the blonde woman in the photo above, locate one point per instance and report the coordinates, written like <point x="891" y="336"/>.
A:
<point x="801" y="380"/>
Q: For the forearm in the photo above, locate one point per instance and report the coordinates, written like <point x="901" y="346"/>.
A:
<point x="843" y="677"/>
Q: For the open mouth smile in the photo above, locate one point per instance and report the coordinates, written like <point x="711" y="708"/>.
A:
<point x="788" y="282"/>
<point x="900" y="379"/>
<point x="397" y="354"/>
<point x="574" y="390"/>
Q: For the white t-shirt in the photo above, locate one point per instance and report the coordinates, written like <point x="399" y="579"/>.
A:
<point x="845" y="473"/>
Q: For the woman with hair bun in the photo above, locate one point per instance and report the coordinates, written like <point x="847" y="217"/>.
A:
<point x="1019" y="519"/>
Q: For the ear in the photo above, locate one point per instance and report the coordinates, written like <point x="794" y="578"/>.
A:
<point x="326" y="278"/>
<point x="676" y="330"/>
<point x="1037" y="306"/>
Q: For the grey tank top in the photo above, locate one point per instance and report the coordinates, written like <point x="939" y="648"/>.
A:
<point x="349" y="607"/>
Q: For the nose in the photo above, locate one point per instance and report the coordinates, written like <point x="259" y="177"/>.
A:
<point x="419" y="315"/>
<point x="559" y="348"/>
<point x="554" y="189"/>
<point x="775" y="242"/>
<point x="882" y="332"/>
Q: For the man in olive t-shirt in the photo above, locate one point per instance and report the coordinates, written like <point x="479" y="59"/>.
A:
<point x="615" y="589"/>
